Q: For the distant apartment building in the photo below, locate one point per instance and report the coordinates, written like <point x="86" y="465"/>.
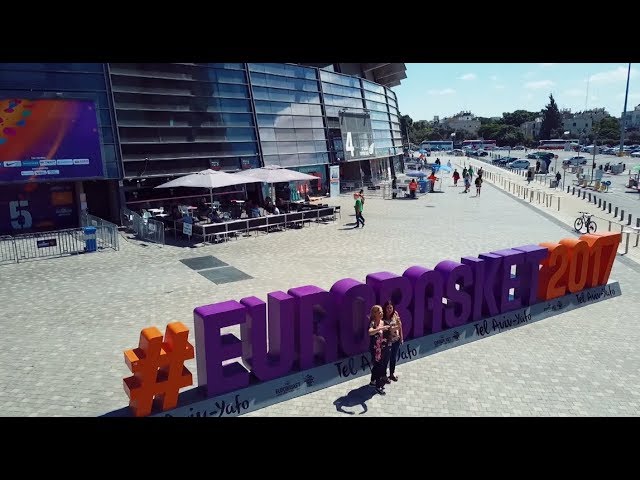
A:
<point x="465" y="121"/>
<point x="582" y="123"/>
<point x="632" y="119"/>
<point x="531" y="130"/>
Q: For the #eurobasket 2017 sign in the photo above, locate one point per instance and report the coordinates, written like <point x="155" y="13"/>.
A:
<point x="308" y="338"/>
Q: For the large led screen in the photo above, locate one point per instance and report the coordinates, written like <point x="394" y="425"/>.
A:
<point x="46" y="140"/>
<point x="357" y="136"/>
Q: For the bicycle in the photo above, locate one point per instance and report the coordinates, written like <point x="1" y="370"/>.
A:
<point x="585" y="219"/>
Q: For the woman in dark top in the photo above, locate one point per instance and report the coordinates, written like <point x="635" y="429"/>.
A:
<point x="377" y="348"/>
<point x="395" y="338"/>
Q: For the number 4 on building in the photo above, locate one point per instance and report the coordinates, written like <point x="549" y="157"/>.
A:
<point x="349" y="145"/>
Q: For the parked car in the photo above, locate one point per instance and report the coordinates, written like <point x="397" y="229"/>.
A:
<point x="578" y="160"/>
<point x="518" y="164"/>
<point x="636" y="153"/>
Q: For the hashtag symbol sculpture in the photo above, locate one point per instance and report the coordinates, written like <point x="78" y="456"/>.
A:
<point x="158" y="368"/>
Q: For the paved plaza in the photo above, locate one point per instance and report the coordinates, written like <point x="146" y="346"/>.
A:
<point x="67" y="321"/>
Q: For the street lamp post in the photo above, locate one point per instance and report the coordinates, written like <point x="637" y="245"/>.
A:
<point x="624" y="114"/>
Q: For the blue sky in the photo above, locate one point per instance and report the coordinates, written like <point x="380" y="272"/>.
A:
<point x="489" y="89"/>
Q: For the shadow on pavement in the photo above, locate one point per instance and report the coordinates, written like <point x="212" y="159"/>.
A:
<point x="356" y="397"/>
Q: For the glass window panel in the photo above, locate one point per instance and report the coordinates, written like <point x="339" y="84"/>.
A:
<point x="266" y="120"/>
<point x="316" y="122"/>
<point x="320" y="146"/>
<point x="300" y="108"/>
<point x="302" y="122"/>
<point x="287" y="147"/>
<point x="52" y="81"/>
<point x="379" y="125"/>
<point x="375" y="96"/>
<point x="107" y="134"/>
<point x="269" y="148"/>
<point x="230" y="76"/>
<point x="284" y="121"/>
<point x="315" y="110"/>
<point x="318" y="134"/>
<point x="304" y="134"/>
<point x="260" y="93"/>
<point x="232" y="105"/>
<point x="285" y="134"/>
<point x="306" y="147"/>
<point x="290" y="160"/>
<point x="374" y="87"/>
<point x="271" y="160"/>
<point x="267" y="134"/>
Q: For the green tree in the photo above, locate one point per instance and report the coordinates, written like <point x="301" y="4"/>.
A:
<point x="518" y="117"/>
<point x="405" y="126"/>
<point x="607" y="130"/>
<point x="551" y="119"/>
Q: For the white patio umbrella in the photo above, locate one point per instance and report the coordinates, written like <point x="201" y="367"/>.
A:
<point x="209" y="179"/>
<point x="275" y="174"/>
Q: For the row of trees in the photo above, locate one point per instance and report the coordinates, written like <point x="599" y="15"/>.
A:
<point x="506" y="130"/>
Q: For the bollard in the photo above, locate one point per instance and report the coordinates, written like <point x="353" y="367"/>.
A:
<point x="589" y="197"/>
<point x="629" y="222"/>
<point x="609" y="208"/>
<point x="573" y="191"/>
<point x="584" y="194"/>
<point x="621" y="214"/>
<point x="604" y="205"/>
<point x="616" y="212"/>
<point x="599" y="203"/>
<point x="558" y="203"/>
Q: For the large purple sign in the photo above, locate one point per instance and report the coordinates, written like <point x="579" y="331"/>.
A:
<point x="307" y="326"/>
<point x="44" y="140"/>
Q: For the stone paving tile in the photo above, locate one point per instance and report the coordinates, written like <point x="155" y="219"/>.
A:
<point x="67" y="321"/>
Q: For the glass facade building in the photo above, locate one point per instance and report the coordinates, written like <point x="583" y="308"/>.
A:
<point x="161" y="120"/>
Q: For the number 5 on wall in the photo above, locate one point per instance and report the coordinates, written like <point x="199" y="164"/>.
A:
<point x="16" y="212"/>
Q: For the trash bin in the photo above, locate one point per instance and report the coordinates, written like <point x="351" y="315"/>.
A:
<point x="91" y="245"/>
<point x="423" y="186"/>
<point x="554" y="184"/>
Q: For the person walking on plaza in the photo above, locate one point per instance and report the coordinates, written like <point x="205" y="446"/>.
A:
<point x="559" y="177"/>
<point x="394" y="187"/>
<point x="467" y="183"/>
<point x="362" y="197"/>
<point x="456" y="177"/>
<point x="395" y="338"/>
<point x="378" y="348"/>
<point x="470" y="173"/>
<point x="413" y="186"/>
<point x="464" y="172"/>
<point x="480" y="172"/>
<point x="358" y="209"/>
<point x="478" y="185"/>
<point x="529" y="176"/>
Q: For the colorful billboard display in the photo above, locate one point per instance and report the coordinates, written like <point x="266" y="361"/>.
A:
<point x="44" y="140"/>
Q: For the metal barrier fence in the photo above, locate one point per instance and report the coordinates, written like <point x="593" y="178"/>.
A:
<point x="146" y="229"/>
<point x="7" y="250"/>
<point x="57" y="243"/>
<point x="106" y="232"/>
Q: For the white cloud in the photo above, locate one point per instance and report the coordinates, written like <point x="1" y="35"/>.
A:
<point x="613" y="76"/>
<point x="546" y="64"/>
<point x="499" y="87"/>
<point x="446" y="91"/>
<point x="467" y="76"/>
<point x="574" y="92"/>
<point x="494" y="78"/>
<point x="538" y="84"/>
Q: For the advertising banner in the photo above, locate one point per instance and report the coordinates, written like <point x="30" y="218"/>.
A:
<point x="334" y="179"/>
<point x="30" y="207"/>
<point x="44" y="140"/>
